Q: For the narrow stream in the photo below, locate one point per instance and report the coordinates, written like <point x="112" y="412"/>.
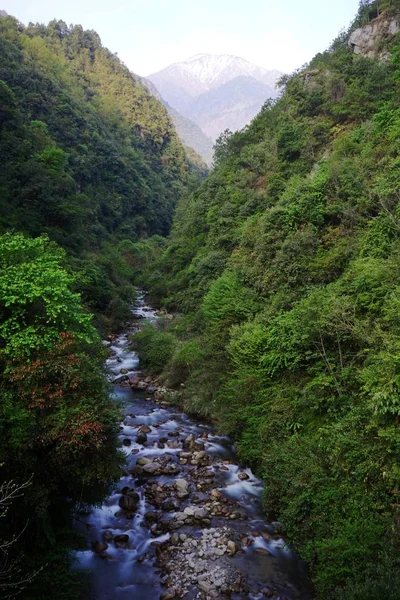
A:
<point x="185" y="519"/>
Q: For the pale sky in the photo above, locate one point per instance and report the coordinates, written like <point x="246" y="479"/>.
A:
<point x="151" y="34"/>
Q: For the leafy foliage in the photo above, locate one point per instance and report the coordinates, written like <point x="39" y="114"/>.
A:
<point x="89" y="156"/>
<point x="285" y="263"/>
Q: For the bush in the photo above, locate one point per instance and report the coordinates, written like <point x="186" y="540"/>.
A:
<point x="155" y="348"/>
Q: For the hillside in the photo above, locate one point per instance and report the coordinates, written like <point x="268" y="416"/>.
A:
<point x="230" y="106"/>
<point x="89" y="156"/>
<point x="190" y="134"/>
<point x="285" y="266"/>
<point x="91" y="166"/>
<point x="204" y="80"/>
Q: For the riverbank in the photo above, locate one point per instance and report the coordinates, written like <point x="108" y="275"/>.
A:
<point x="185" y="519"/>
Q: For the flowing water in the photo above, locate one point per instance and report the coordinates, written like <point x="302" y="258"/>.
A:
<point x="136" y="568"/>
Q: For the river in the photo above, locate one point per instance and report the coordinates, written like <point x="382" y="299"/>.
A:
<point x="187" y="521"/>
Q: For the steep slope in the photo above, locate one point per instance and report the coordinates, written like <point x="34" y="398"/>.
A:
<point x="182" y="84"/>
<point x="190" y="134"/>
<point x="285" y="263"/>
<point x="88" y="155"/>
<point x="231" y="106"/>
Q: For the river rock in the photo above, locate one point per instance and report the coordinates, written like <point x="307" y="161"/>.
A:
<point x="108" y="536"/>
<point x="181" y="485"/>
<point x="173" y="434"/>
<point x="188" y="443"/>
<point x="151" y="468"/>
<point x="243" y="476"/>
<point x="173" y="444"/>
<point x="169" y="594"/>
<point x="231" y="548"/>
<point x="143" y="461"/>
<point x="127" y="491"/>
<point x="120" y="379"/>
<point x="170" y="505"/>
<point x="99" y="547"/>
<point x="151" y="515"/>
<point x="262" y="551"/>
<point x="126" y="442"/>
<point x="205" y="586"/>
<point x="127" y="503"/>
<point x="145" y="429"/>
<point x="141" y="437"/>
<point x="122" y="540"/>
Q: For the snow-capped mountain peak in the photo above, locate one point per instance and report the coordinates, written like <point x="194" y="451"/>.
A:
<point x="216" y="91"/>
<point x="206" y="71"/>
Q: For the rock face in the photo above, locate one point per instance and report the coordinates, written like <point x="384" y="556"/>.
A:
<point x="370" y="39"/>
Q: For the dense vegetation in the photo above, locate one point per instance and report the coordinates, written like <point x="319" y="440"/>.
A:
<point x="284" y="265"/>
<point x="88" y="156"/>
<point x="90" y="166"/>
<point x="58" y="428"/>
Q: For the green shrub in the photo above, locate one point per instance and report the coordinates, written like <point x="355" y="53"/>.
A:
<point x="155" y="348"/>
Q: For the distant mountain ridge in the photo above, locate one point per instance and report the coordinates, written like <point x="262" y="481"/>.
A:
<point x="201" y="89"/>
<point x="203" y="72"/>
<point x="188" y="131"/>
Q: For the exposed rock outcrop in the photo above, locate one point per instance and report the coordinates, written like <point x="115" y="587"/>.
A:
<point x="371" y="39"/>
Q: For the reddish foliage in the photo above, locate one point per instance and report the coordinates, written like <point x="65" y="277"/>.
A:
<point x="50" y="379"/>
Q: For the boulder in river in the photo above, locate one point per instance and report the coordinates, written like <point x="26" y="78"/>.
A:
<point x="189" y="442"/>
<point x="231" y="548"/>
<point x="122" y="540"/>
<point x="151" y="468"/>
<point x="99" y="547"/>
<point x="127" y="503"/>
<point x="120" y="379"/>
<point x="141" y="437"/>
<point x="181" y="485"/>
<point x="145" y="429"/>
<point x="108" y="536"/>
<point x="127" y="491"/>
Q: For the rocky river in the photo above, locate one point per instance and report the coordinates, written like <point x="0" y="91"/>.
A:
<point x="185" y="520"/>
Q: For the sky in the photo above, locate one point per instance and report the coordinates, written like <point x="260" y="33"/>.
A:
<point x="149" y="35"/>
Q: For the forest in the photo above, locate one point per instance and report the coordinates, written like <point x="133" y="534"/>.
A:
<point x="282" y="266"/>
<point x="91" y="166"/>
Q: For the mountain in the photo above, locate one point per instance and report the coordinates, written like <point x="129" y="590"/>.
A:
<point x="90" y="157"/>
<point x="232" y="105"/>
<point x="203" y="72"/>
<point x="184" y="86"/>
<point x="190" y="133"/>
<point x="284" y="267"/>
